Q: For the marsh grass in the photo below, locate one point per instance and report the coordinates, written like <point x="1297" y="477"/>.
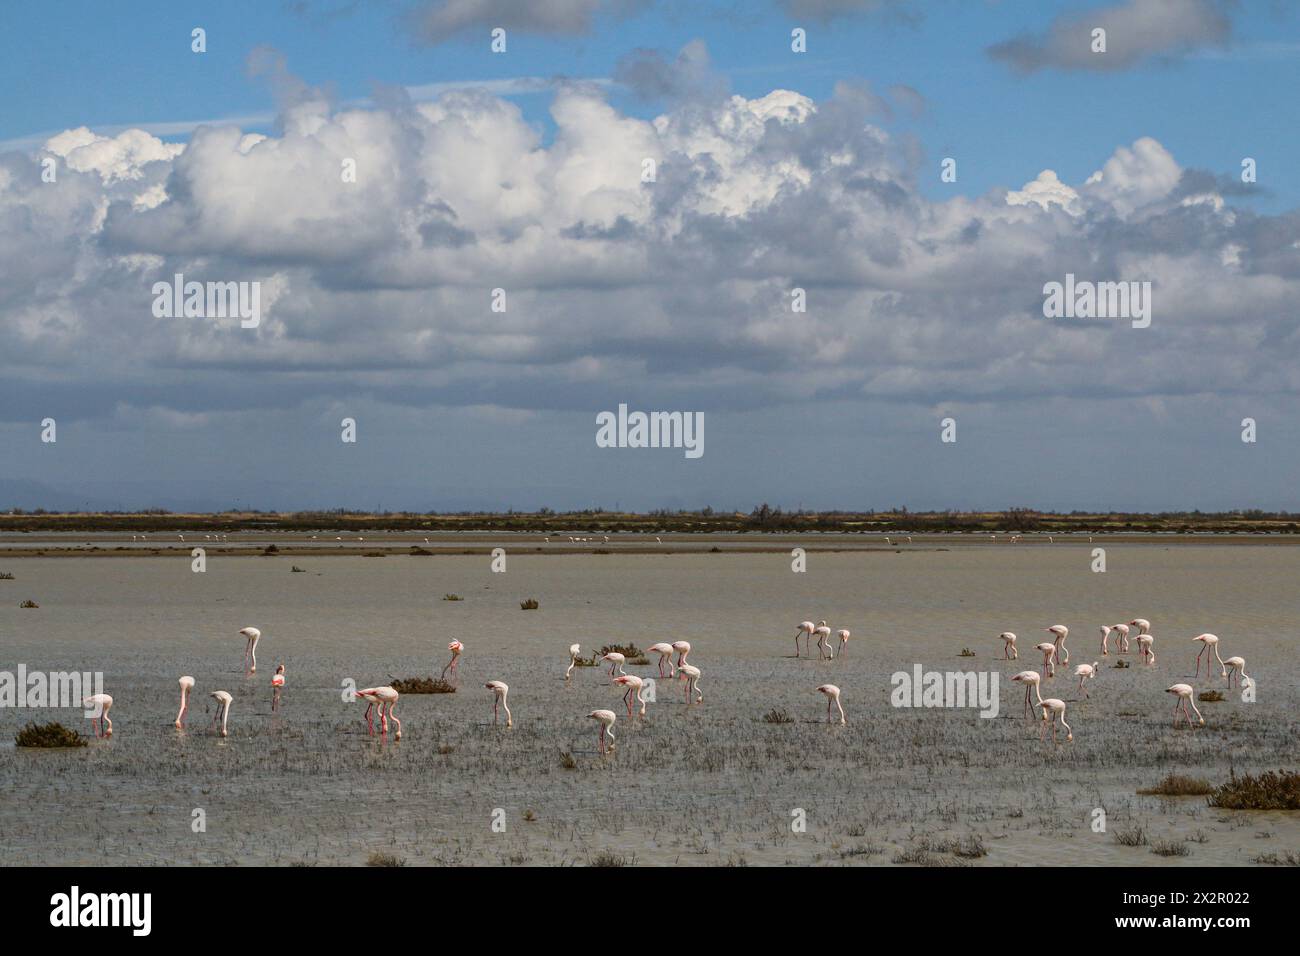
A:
<point x="297" y="570"/>
<point x="419" y="551"/>
<point x="567" y="761"/>
<point x="1178" y="785"/>
<point x="6" y="576"/>
<point x="1132" y="836"/>
<point x="48" y="735"/>
<point x="778" y="716"/>
<point x="1122" y="664"/>
<point x="529" y="605"/>
<point x="1210" y="696"/>
<point x="966" y="652"/>
<point x="627" y="650"/>
<point x="1268" y="791"/>
<point x="1171" y="848"/>
<point x="1272" y="859"/>
<point x="379" y="858"/>
<point x="610" y="858"/>
<point x="29" y="603"/>
<point x="452" y="597"/>
<point x="422" y="685"/>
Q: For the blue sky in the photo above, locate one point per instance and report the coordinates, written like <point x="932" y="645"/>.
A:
<point x="777" y="170"/>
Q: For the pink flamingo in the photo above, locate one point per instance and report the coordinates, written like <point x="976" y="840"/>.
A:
<point x="1057" y="709"/>
<point x="1141" y="623"/>
<point x="1146" y="649"/>
<point x="683" y="648"/>
<point x="277" y="687"/>
<point x="606" y="719"/>
<point x="1184" y="695"/>
<point x="500" y="689"/>
<point x="222" y="713"/>
<point x="1009" y="652"/>
<point x="1208" y="641"/>
<point x="574" y="651"/>
<point x="380" y="698"/>
<point x="251" y="635"/>
<point x="1049" y="653"/>
<point x="806" y="628"/>
<point x="1030" y="679"/>
<point x="187" y="685"/>
<point x="1061" y="632"/>
<point x="665" y="652"/>
<point x="691" y="674"/>
<point x="616" y="662"/>
<point x="455" y="647"/>
<point x="1085" y="672"/>
<point x="1238" y="667"/>
<point x="102" y="704"/>
<point x="634" y="687"/>
<point x="1105" y="640"/>
<point x="823" y="637"/>
<point x="832" y="698"/>
<point x="1121" y="642"/>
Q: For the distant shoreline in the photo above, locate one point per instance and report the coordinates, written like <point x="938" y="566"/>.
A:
<point x="760" y="522"/>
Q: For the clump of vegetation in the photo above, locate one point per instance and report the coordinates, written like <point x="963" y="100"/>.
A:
<point x="916" y="854"/>
<point x="297" y="570"/>
<point x="6" y="576"/>
<point x="1122" y="664"/>
<point x="29" y="603"/>
<point x="1272" y="859"/>
<point x="1177" y="785"/>
<point x="530" y="816"/>
<point x="270" y="549"/>
<point x="1210" y="696"/>
<point x="777" y="716"/>
<point x="452" y="597"/>
<point x="971" y="848"/>
<point x="966" y="652"/>
<point x="48" y="735"/>
<point x="1171" y="848"/>
<point x="862" y="849"/>
<point x="1133" y="836"/>
<point x="374" y="554"/>
<point x="610" y="858"/>
<point x="567" y="761"/>
<point x="422" y="685"/>
<point x="384" y="859"/>
<point x="446" y="749"/>
<point x="530" y="605"/>
<point x="417" y="550"/>
<point x="627" y="650"/>
<point x="1268" y="791"/>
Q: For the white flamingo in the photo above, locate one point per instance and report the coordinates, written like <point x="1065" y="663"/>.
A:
<point x="1061" y="632"/>
<point x="1208" y="642"/>
<point x="1238" y="667"/>
<point x="1009" y="652"/>
<point x="500" y="689"/>
<point x="1146" y="648"/>
<point x="832" y="699"/>
<point x="251" y="635"/>
<point x="843" y="634"/>
<point x="823" y="637"/>
<point x="635" y="689"/>
<point x="187" y="685"/>
<point x="1085" y="672"/>
<point x="616" y="662"/>
<point x="1121" y="642"/>
<point x="1048" y="650"/>
<point x="1057" y="709"/>
<point x="222" y="713"/>
<point x="574" y="651"/>
<point x="682" y="648"/>
<point x="1105" y="639"/>
<point x="1030" y="679"/>
<point x="665" y="652"/>
<point x="805" y="630"/>
<point x="691" y="674"/>
<point x="102" y="704"/>
<point x="606" y="719"/>
<point x="1184" y="694"/>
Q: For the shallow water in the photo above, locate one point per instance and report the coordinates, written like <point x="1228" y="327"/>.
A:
<point x="706" y="785"/>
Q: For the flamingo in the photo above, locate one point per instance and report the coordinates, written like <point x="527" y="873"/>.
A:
<point x="252" y="635"/>
<point x="102" y="703"/>
<point x="1057" y="709"/>
<point x="832" y="698"/>
<point x="1141" y="623"/>
<point x="1049" y="652"/>
<point x="1207" y="641"/>
<point x="574" y="651"/>
<point x="683" y="648"/>
<point x="823" y="635"/>
<point x="1238" y="668"/>
<point x="1085" y="672"/>
<point x="455" y="647"/>
<point x="1145" y="642"/>
<point x="843" y="634"/>
<point x="616" y="662"/>
<point x="187" y="685"/>
<point x="1184" y="694"/>
<point x="500" y="689"/>
<point x="1105" y="640"/>
<point x="606" y="718"/>
<point x="1121" y="642"/>
<point x="634" y="687"/>
<point x="691" y="674"/>
<point x="383" y="697"/>
<point x="1061" y="632"/>
<point x="1030" y="679"/>
<point x="277" y="687"/>
<point x="1009" y="652"/>
<point x="805" y="628"/>
<point x="369" y="695"/>
<point x="223" y="700"/>
<point x="665" y="652"/>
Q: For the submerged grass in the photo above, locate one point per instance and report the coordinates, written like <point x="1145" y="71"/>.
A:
<point x="422" y="685"/>
<point x="1178" y="785"/>
<point x="48" y="735"/>
<point x="1268" y="791"/>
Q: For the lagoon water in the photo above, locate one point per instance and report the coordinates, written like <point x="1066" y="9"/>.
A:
<point x="712" y="784"/>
